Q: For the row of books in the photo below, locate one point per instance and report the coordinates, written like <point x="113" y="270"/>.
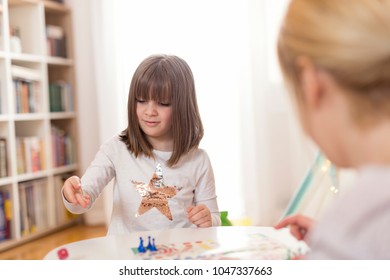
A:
<point x="27" y="95"/>
<point x="33" y="203"/>
<point x="5" y="215"/>
<point x="30" y="154"/>
<point x="34" y="207"/>
<point x="60" y="97"/>
<point x="27" y="92"/>
<point x="63" y="148"/>
<point x="56" y="41"/>
<point x="26" y="88"/>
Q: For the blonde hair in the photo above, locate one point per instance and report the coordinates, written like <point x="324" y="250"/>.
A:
<point x="350" y="40"/>
<point x="166" y="79"/>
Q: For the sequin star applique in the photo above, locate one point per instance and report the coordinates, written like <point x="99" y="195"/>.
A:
<point x="155" y="194"/>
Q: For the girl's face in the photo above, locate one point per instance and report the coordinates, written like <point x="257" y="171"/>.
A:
<point x="155" y="120"/>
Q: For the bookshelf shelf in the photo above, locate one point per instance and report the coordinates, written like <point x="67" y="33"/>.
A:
<point x="62" y="115"/>
<point x="25" y="57"/>
<point x="38" y="118"/>
<point x="32" y="176"/>
<point x="30" y="117"/>
<point x="6" y="181"/>
<point x="59" y="61"/>
<point x="5" y="118"/>
<point x="65" y="169"/>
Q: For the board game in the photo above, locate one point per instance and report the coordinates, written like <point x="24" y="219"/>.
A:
<point x="257" y="246"/>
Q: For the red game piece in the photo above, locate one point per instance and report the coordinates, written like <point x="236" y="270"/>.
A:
<point x="62" y="254"/>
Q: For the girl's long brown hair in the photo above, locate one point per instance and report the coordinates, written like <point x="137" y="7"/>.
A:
<point x="165" y="79"/>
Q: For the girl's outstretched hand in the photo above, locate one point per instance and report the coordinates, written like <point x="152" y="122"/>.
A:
<point x="299" y="225"/>
<point x="199" y="215"/>
<point x="73" y="192"/>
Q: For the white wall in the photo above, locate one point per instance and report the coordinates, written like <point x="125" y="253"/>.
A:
<point x="89" y="117"/>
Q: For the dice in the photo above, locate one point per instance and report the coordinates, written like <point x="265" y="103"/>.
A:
<point x="62" y="254"/>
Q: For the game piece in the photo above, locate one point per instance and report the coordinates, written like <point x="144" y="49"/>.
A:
<point x="62" y="254"/>
<point x="149" y="247"/>
<point x="141" y="248"/>
<point x="153" y="246"/>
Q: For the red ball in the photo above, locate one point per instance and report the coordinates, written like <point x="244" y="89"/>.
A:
<point x="62" y="254"/>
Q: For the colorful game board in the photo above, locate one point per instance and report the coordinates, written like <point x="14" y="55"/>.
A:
<point x="258" y="246"/>
<point x="177" y="251"/>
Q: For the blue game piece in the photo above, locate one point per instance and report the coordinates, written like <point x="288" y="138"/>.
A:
<point x="153" y="246"/>
<point x="149" y="247"/>
<point x="141" y="248"/>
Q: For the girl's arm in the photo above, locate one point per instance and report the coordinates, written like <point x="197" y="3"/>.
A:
<point x="206" y="211"/>
<point x="96" y="177"/>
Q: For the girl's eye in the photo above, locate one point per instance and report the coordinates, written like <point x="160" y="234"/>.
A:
<point x="164" y="104"/>
<point x="140" y="100"/>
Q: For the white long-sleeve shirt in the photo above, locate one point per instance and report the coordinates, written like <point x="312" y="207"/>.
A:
<point x="192" y="175"/>
<point x="357" y="225"/>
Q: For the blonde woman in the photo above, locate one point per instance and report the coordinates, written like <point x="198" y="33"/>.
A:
<point x="335" y="56"/>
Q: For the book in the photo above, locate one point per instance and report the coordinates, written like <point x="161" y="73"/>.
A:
<point x="40" y="204"/>
<point x="56" y="42"/>
<point x="55" y="98"/>
<point x="20" y="159"/>
<point x="60" y="95"/>
<point x="62" y="147"/>
<point x="7" y="212"/>
<point x="33" y="206"/>
<point x="24" y="221"/>
<point x="27" y="95"/>
<point x="3" y="221"/>
<point x="3" y="158"/>
<point x="29" y="154"/>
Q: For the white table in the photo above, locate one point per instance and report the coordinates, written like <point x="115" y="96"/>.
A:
<point x="189" y="243"/>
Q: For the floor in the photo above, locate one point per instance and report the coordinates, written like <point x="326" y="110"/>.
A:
<point x="37" y="249"/>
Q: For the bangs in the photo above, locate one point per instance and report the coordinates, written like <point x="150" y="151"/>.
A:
<point x="155" y="85"/>
<point x="167" y="80"/>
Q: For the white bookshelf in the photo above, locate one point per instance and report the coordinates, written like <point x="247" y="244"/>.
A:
<point x="31" y="110"/>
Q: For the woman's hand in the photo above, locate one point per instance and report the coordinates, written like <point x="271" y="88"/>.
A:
<point x="299" y="225"/>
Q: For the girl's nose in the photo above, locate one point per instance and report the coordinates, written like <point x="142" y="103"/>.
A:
<point x="150" y="108"/>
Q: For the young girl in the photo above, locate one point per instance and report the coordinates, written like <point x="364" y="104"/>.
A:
<point x="162" y="179"/>
<point x="335" y="55"/>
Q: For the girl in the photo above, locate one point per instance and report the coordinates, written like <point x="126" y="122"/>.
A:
<point x="162" y="179"/>
<point x="335" y="56"/>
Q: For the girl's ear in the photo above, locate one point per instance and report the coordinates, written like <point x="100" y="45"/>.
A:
<point x="311" y="82"/>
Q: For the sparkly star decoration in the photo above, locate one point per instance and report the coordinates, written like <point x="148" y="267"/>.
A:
<point x="155" y="194"/>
